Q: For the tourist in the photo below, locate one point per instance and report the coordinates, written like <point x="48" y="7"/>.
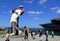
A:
<point x="40" y="35"/>
<point x="52" y="34"/>
<point x="46" y="35"/>
<point x="7" y="36"/>
<point x="33" y="35"/>
<point x="26" y="30"/>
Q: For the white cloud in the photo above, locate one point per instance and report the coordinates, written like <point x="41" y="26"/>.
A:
<point x="44" y="6"/>
<point x="58" y="11"/>
<point x="29" y="1"/>
<point x="36" y="18"/>
<point x="42" y="1"/>
<point x="54" y="8"/>
<point x="35" y="12"/>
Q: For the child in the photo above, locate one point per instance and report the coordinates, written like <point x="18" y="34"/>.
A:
<point x="26" y="30"/>
<point x="7" y="36"/>
<point x="33" y="33"/>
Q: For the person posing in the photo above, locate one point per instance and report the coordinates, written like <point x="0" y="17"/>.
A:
<point x="7" y="36"/>
<point x="18" y="12"/>
<point x="26" y="30"/>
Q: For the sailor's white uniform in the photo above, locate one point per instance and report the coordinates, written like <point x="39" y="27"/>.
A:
<point x="15" y="16"/>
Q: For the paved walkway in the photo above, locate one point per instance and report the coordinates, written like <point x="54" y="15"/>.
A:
<point x="18" y="38"/>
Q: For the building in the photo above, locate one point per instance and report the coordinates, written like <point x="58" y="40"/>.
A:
<point x="53" y="26"/>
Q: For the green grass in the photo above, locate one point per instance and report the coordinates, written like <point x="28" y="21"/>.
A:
<point x="3" y="32"/>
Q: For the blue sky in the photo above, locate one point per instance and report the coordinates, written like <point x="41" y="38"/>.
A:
<point x="35" y="11"/>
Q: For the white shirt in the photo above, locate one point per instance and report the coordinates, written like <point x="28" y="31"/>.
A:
<point x="18" y="11"/>
<point x="15" y="16"/>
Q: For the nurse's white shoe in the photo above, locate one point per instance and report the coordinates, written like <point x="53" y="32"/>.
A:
<point x="20" y="32"/>
<point x="12" y="34"/>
